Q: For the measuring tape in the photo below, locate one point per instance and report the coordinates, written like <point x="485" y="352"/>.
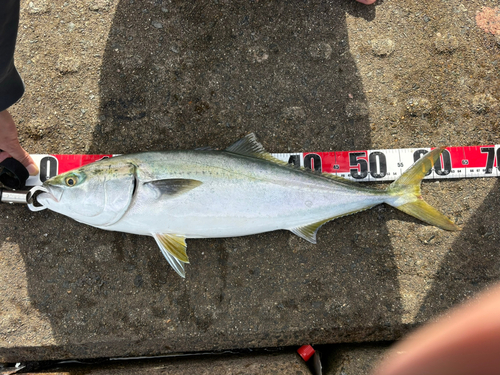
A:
<point x="365" y="165"/>
<point x="389" y="164"/>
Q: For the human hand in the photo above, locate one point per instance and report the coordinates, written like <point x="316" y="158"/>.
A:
<point x="9" y="143"/>
<point x="465" y="341"/>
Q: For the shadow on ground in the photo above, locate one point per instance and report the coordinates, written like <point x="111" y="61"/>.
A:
<point x="182" y="75"/>
<point x="185" y="75"/>
<point x="472" y="263"/>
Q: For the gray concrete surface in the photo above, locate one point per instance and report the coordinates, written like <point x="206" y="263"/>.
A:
<point x="122" y="76"/>
<point x="351" y="359"/>
<point x="354" y="359"/>
<point x="282" y="363"/>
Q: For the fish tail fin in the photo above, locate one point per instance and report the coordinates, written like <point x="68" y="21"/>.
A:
<point x="406" y="195"/>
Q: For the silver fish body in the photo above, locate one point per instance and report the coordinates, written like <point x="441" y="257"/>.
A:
<point x="237" y="196"/>
<point x="240" y="191"/>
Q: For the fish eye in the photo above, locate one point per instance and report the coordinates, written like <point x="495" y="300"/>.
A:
<point x="71" y="181"/>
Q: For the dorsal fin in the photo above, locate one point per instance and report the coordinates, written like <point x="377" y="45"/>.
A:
<point x="249" y="146"/>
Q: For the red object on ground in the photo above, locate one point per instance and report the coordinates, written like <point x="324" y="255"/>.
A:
<point x="306" y="352"/>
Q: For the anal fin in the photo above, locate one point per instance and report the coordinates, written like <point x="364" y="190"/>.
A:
<point x="308" y="232"/>
<point x="173" y="248"/>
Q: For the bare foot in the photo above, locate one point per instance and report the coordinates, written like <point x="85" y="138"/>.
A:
<point x="367" y="2"/>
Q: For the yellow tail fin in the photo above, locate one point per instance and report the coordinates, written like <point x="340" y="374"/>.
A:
<point x="409" y="199"/>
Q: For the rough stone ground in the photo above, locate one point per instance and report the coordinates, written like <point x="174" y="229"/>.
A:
<point x="286" y="363"/>
<point x="120" y="76"/>
<point x="336" y="360"/>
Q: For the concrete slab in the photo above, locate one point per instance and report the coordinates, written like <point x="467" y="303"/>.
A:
<point x="354" y="359"/>
<point x="351" y="359"/>
<point x="283" y="362"/>
<point x="121" y="76"/>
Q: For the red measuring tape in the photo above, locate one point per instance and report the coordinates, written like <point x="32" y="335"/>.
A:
<point x="389" y="164"/>
<point x="362" y="165"/>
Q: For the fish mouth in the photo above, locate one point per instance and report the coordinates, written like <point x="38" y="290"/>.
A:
<point x="39" y="197"/>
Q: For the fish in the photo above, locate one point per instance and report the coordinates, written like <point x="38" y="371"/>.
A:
<point x="239" y="191"/>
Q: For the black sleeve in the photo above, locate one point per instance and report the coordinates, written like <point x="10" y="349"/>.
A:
<point x="11" y="84"/>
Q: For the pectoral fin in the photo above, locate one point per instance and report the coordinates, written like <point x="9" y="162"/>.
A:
<point x="174" y="186"/>
<point x="173" y="248"/>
